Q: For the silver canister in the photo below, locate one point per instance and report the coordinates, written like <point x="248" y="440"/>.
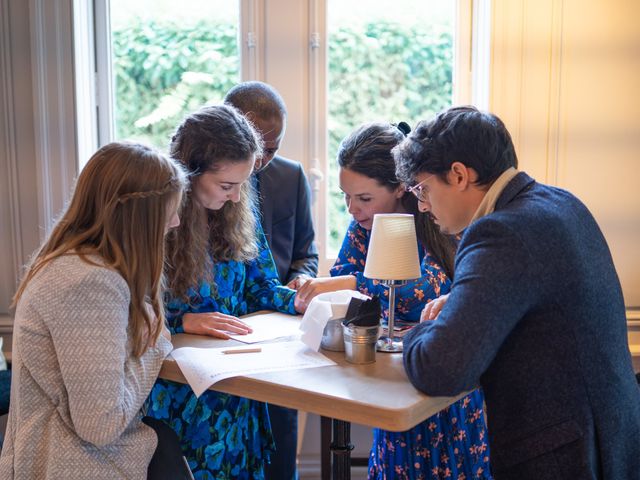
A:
<point x="332" y="338"/>
<point x="360" y="343"/>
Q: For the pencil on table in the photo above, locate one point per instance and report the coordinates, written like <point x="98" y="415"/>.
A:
<point x="242" y="350"/>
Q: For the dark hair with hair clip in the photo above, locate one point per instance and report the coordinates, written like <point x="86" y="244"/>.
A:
<point x="367" y="151"/>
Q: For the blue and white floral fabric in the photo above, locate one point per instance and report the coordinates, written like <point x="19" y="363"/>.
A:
<point x="453" y="443"/>
<point x="223" y="436"/>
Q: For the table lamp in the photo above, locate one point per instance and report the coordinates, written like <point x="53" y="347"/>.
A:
<point x="392" y="258"/>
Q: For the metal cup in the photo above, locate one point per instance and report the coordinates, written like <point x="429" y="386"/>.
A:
<point x="360" y="343"/>
<point x="332" y="338"/>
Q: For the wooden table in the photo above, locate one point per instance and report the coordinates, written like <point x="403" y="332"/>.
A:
<point x="377" y="395"/>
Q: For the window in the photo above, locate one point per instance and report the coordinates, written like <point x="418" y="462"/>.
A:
<point x="169" y="58"/>
<point x="158" y="59"/>
<point x="386" y="63"/>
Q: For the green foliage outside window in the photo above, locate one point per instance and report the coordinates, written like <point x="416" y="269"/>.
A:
<point x="164" y="71"/>
<point x="377" y="71"/>
<point x="382" y="72"/>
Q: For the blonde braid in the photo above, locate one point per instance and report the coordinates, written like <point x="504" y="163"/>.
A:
<point x="169" y="186"/>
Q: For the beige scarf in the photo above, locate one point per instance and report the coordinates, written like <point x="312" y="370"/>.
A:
<point x="488" y="204"/>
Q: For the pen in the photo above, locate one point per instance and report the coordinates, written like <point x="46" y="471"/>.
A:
<point x="242" y="350"/>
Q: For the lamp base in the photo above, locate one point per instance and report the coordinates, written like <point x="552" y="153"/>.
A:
<point x="389" y="345"/>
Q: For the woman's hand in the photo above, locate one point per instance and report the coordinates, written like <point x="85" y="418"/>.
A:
<point x="315" y="286"/>
<point x="297" y="282"/>
<point x="433" y="308"/>
<point x="300" y="306"/>
<point x="214" y="324"/>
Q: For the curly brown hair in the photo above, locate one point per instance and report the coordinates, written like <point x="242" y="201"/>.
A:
<point x="205" y="140"/>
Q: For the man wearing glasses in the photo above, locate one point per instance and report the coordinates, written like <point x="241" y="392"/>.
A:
<point x="535" y="315"/>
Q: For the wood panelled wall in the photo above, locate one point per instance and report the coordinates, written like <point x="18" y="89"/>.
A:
<point x="565" y="78"/>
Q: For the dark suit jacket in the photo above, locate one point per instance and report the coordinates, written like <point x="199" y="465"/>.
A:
<point x="536" y="317"/>
<point x="285" y="207"/>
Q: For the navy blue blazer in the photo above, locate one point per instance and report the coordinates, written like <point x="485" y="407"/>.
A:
<point x="536" y="317"/>
<point x="285" y="208"/>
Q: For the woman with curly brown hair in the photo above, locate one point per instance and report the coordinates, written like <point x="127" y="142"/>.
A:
<point x="220" y="268"/>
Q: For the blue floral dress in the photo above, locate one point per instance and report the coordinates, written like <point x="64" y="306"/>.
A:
<point x="223" y="436"/>
<point x="451" y="444"/>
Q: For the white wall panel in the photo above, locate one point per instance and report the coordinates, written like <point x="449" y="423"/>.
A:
<point x="565" y="76"/>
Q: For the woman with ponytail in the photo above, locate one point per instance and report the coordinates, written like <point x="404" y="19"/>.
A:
<point x="452" y="443"/>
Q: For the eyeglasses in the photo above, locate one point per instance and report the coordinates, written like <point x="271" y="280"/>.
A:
<point x="417" y="189"/>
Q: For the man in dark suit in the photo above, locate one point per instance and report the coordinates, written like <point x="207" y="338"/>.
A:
<point x="535" y="315"/>
<point x="285" y="207"/>
<point x="285" y="200"/>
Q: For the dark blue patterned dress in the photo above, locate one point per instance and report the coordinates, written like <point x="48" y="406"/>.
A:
<point x="453" y="443"/>
<point x="224" y="436"/>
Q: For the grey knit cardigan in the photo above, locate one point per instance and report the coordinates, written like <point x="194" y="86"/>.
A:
<point x="77" y="389"/>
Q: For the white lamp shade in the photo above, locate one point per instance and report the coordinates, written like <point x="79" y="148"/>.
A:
<point x="393" y="248"/>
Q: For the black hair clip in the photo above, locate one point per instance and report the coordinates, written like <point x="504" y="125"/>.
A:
<point x="403" y="127"/>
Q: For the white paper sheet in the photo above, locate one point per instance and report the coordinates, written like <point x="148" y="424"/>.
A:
<point x="323" y="308"/>
<point x="202" y="367"/>
<point x="268" y="326"/>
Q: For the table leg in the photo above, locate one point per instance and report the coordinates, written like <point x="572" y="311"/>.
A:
<point x="341" y="449"/>
<point x="325" y="444"/>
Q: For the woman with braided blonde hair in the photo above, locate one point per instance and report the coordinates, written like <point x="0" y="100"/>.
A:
<point x="89" y="334"/>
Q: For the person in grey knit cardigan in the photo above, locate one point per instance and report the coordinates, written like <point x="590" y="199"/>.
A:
<point x="89" y="333"/>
